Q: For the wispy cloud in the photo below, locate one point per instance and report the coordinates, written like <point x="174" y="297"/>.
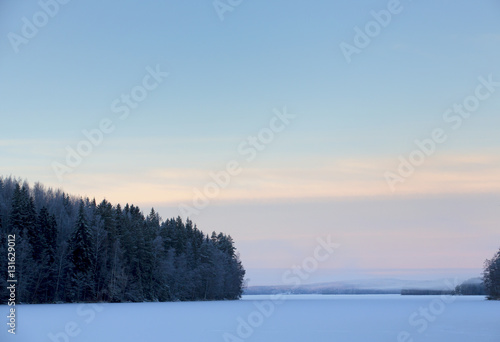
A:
<point x="448" y="174"/>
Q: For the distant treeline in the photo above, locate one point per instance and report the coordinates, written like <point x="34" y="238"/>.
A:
<point x="70" y="249"/>
<point x="471" y="287"/>
<point x="474" y="287"/>
<point x="425" y="292"/>
<point x="262" y="290"/>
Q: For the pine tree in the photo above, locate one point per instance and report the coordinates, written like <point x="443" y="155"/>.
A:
<point x="35" y="236"/>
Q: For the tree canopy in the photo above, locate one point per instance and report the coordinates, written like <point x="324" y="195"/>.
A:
<point x="72" y="249"/>
<point x="491" y="276"/>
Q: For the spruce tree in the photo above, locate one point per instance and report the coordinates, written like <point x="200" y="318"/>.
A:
<point x="80" y="259"/>
<point x="16" y="214"/>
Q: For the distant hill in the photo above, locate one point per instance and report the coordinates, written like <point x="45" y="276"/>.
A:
<point x="370" y="286"/>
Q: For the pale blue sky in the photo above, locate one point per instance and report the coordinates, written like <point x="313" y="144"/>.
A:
<point x="226" y="77"/>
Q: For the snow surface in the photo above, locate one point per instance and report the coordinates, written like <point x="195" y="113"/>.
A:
<point x="370" y="318"/>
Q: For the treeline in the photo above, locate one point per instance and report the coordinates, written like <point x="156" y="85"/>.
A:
<point x="70" y="249"/>
<point x="470" y="287"/>
<point x="266" y="290"/>
<point x="426" y="292"/>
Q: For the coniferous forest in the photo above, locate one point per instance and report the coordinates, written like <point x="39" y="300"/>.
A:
<point x="70" y="249"/>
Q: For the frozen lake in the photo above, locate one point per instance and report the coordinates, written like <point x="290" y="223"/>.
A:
<point x="304" y="318"/>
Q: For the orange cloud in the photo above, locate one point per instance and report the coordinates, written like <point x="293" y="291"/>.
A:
<point x="333" y="179"/>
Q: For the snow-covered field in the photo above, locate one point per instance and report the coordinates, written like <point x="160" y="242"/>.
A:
<point x="264" y="318"/>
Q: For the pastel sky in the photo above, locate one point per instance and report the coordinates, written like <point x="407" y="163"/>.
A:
<point x="323" y="173"/>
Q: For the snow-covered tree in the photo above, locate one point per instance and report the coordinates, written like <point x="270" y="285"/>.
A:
<point x="71" y="249"/>
<point x="491" y="276"/>
<point x="80" y="249"/>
